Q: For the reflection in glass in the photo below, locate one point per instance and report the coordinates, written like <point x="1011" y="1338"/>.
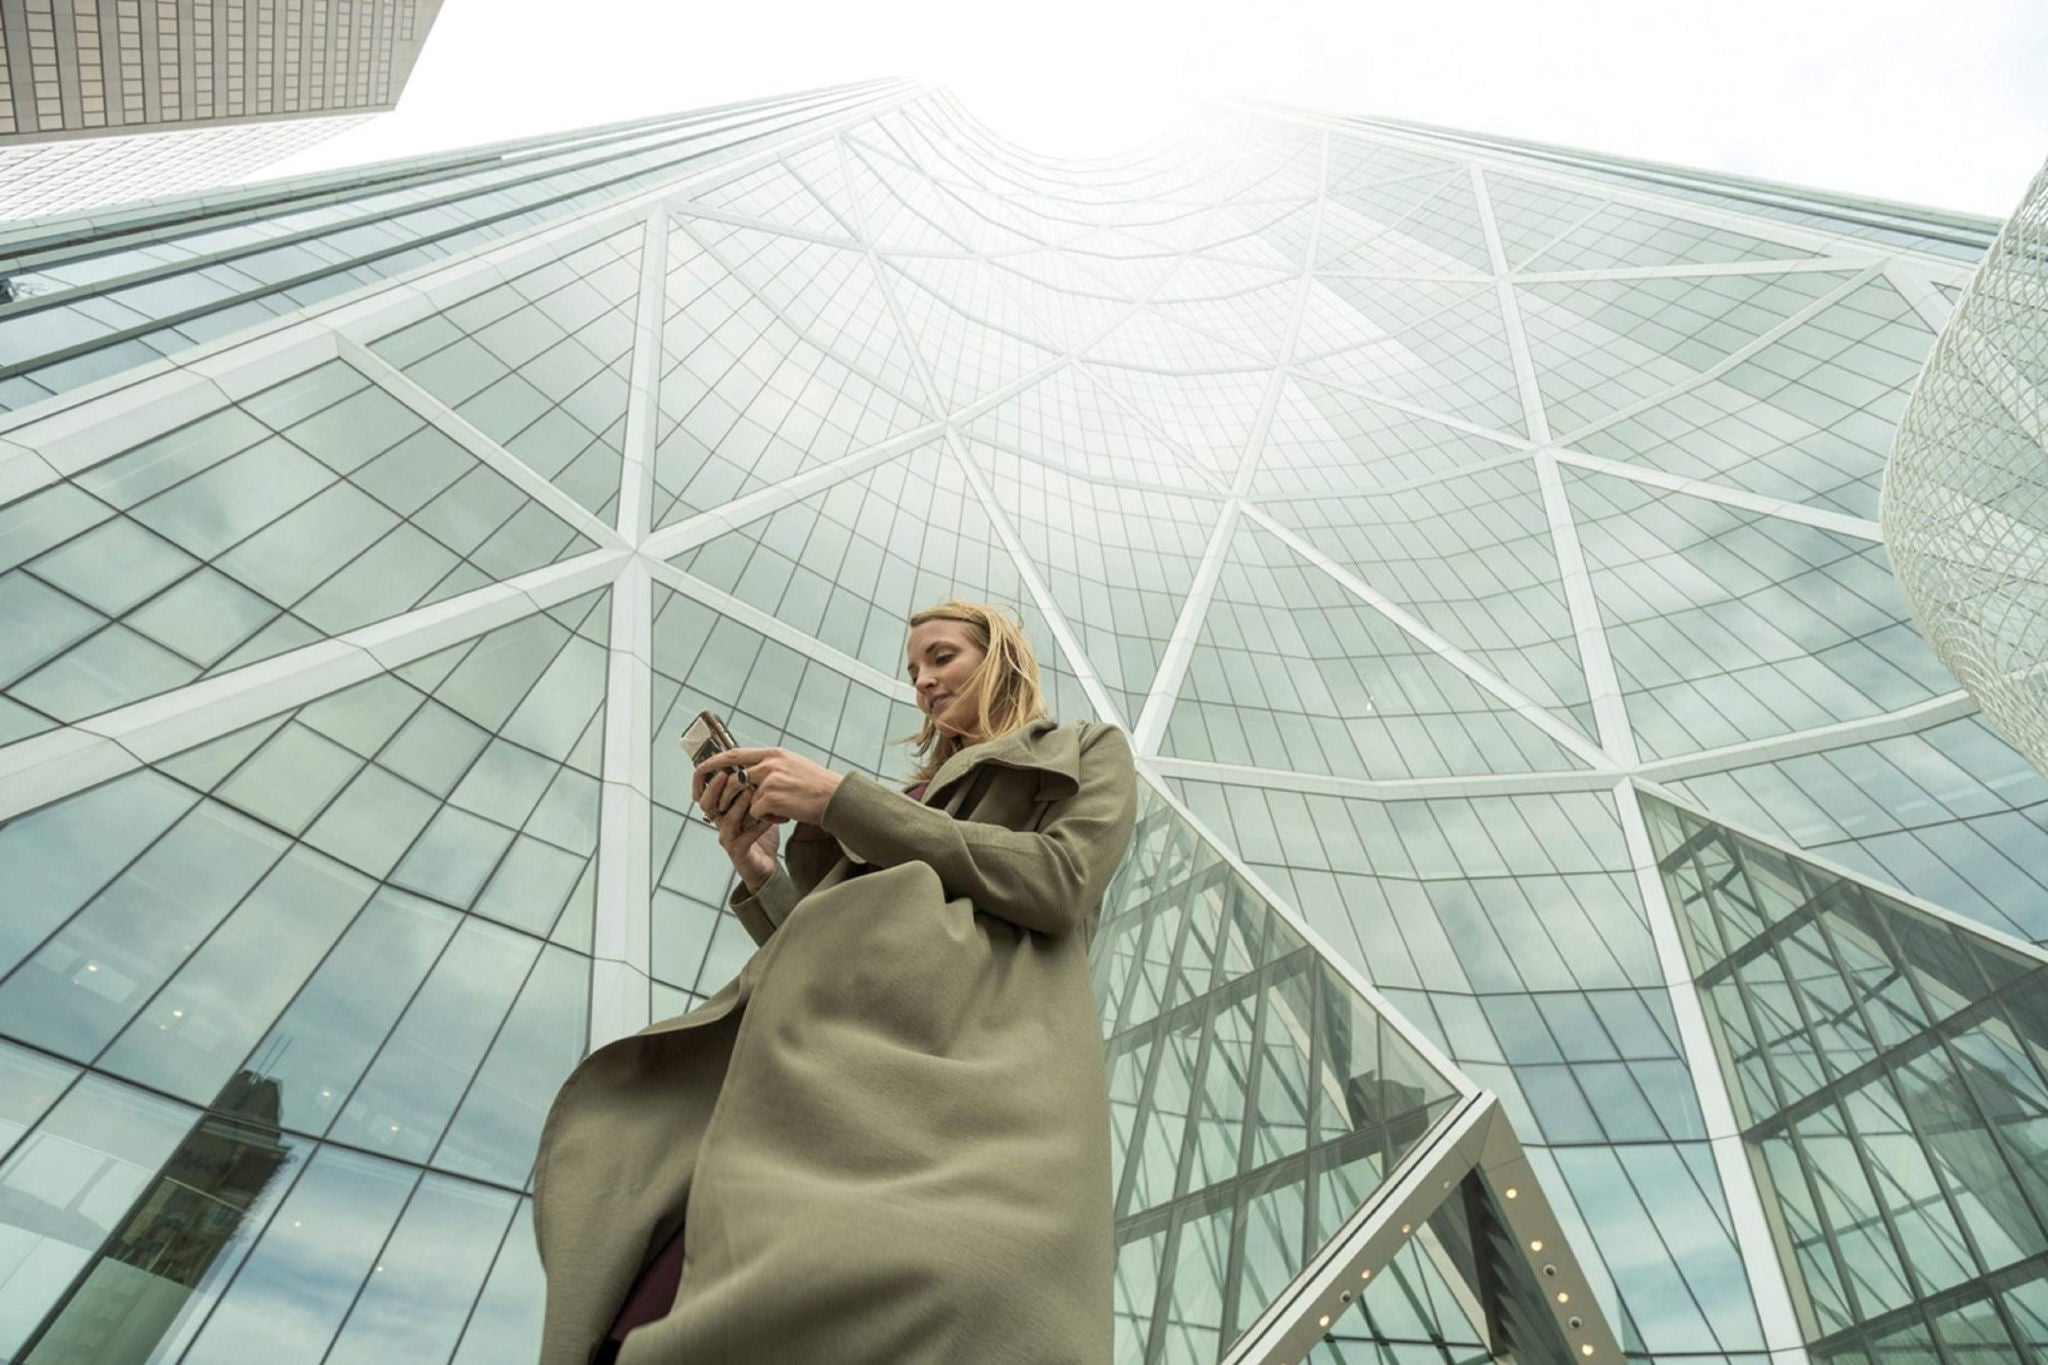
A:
<point x="1244" y="1072"/>
<point x="125" y="1299"/>
<point x="1888" y="1068"/>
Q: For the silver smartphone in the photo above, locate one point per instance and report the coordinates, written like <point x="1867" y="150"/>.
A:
<point x="704" y="737"/>
<point x="707" y="736"/>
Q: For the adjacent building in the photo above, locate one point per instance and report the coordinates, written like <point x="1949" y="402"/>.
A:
<point x="1573" y="916"/>
<point x="106" y="101"/>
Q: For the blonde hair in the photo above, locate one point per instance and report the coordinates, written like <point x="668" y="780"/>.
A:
<point x="1005" y="687"/>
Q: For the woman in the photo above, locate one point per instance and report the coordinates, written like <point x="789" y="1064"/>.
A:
<point x="890" y="1132"/>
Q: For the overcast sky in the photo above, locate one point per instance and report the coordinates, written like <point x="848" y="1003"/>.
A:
<point x="1944" y="105"/>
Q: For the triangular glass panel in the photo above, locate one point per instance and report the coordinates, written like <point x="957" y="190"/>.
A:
<point x="1133" y="276"/>
<point x="1291" y="671"/>
<point x="1809" y="418"/>
<point x="1412" y="1092"/>
<point x="1154" y="234"/>
<point x="1154" y="339"/>
<point x="1117" y="561"/>
<point x="354" y="908"/>
<point x="1358" y="163"/>
<point x="1255" y="320"/>
<point x="745" y="400"/>
<point x="1353" y="1103"/>
<point x="910" y="137"/>
<point x="1195" y="1291"/>
<point x="1406" y="1316"/>
<point x="1058" y="672"/>
<point x="1429" y="224"/>
<point x="1199" y="279"/>
<point x="1437" y="345"/>
<point x="1947" y="814"/>
<point x="1140" y="1263"/>
<point x="1369" y="251"/>
<point x="1903" y="1026"/>
<point x="1599" y="346"/>
<point x="1330" y="325"/>
<point x="1067" y="421"/>
<point x="777" y="194"/>
<point x="1472" y="557"/>
<point x="821" y="168"/>
<point x="899" y="208"/>
<point x="1325" y="440"/>
<point x="849" y="565"/>
<point x="1128" y="250"/>
<point x="1197" y="221"/>
<point x="966" y="358"/>
<point x="1282" y="1099"/>
<point x="1459" y="896"/>
<point x="1062" y="318"/>
<point x="1217" y="1131"/>
<point x="981" y="292"/>
<point x="1287" y="165"/>
<point x="1272" y="1228"/>
<point x="1177" y="960"/>
<point x="540" y="364"/>
<point x="991" y="221"/>
<point x="1275" y="234"/>
<point x="1209" y="415"/>
<point x="1132" y="987"/>
<point x="1728" y="625"/>
<point x="1251" y="252"/>
<point x="830" y="294"/>
<point x="1254" y="1097"/>
<point x="311" y="508"/>
<point x="1622" y="236"/>
<point x="1531" y="214"/>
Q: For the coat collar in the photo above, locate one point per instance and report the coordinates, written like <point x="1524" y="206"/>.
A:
<point x="1042" y="745"/>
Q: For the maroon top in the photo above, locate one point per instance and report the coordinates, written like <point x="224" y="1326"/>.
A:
<point x="654" y="1293"/>
<point x="917" y="793"/>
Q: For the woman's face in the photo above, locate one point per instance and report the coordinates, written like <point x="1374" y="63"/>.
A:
<point x="943" y="657"/>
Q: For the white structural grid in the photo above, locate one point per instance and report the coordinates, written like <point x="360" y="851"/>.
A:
<point x="1339" y="465"/>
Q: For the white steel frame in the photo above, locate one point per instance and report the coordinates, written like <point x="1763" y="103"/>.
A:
<point x="45" y="443"/>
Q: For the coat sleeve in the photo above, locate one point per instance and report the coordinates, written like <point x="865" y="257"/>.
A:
<point x="807" y="856"/>
<point x="762" y="913"/>
<point x="1046" y="880"/>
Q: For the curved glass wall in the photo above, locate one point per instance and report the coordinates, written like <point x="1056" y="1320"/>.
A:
<point x="1436" y="516"/>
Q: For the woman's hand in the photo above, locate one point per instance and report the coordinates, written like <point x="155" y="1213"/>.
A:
<point x="785" y="786"/>
<point x="750" y="841"/>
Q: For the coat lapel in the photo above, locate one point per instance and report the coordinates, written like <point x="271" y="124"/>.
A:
<point x="1043" y="745"/>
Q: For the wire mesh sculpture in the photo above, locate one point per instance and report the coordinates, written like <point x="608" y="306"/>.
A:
<point x="1965" y="506"/>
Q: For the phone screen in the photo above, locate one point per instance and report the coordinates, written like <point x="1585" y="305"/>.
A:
<point x="705" y="737"/>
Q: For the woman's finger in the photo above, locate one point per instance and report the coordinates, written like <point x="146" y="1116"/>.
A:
<point x="735" y="758"/>
<point x="734" y="820"/>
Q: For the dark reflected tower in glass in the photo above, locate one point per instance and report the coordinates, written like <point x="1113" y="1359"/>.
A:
<point x="123" y="1303"/>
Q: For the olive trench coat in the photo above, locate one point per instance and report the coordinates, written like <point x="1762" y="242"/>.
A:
<point x="887" y="1139"/>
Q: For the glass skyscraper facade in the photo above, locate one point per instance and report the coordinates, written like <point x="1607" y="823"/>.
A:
<point x="112" y="101"/>
<point x="1550" y="817"/>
